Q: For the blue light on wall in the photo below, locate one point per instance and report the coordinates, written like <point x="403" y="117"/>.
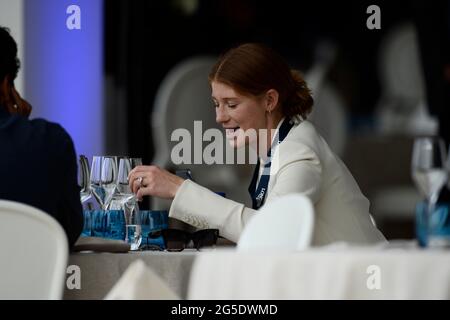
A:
<point x="64" y="69"/>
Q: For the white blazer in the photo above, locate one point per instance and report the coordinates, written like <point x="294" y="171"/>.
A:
<point x="302" y="163"/>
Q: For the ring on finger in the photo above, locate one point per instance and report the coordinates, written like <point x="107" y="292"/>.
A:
<point x="140" y="181"/>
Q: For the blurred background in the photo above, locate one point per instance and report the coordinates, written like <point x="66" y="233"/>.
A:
<point x="136" y="70"/>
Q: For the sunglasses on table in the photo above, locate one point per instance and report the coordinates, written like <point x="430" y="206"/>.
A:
<point x="178" y="240"/>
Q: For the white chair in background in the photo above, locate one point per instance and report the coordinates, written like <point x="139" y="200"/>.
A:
<point x="286" y="223"/>
<point x="329" y="111"/>
<point x="402" y="108"/>
<point x="183" y="97"/>
<point x="34" y="251"/>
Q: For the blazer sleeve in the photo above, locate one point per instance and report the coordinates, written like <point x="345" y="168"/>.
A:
<point x="202" y="208"/>
<point x="298" y="171"/>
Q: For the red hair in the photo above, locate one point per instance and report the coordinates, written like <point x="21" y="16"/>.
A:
<point x="253" y="69"/>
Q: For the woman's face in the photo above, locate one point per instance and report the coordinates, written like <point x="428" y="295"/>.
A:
<point x="239" y="115"/>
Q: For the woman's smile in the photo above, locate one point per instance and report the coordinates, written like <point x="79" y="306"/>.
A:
<point x="231" y="133"/>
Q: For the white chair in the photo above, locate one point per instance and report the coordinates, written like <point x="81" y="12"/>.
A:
<point x="402" y="107"/>
<point x="329" y="111"/>
<point x="183" y="97"/>
<point x="34" y="251"/>
<point x="286" y="223"/>
<point x="401" y="110"/>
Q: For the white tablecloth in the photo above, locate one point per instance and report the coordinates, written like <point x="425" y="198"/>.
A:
<point x="101" y="271"/>
<point x="322" y="273"/>
<point x="327" y="273"/>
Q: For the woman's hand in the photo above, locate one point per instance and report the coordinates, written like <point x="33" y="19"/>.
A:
<point x="20" y="106"/>
<point x="153" y="181"/>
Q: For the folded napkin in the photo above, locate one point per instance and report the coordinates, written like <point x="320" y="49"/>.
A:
<point x="139" y="282"/>
<point x="100" y="245"/>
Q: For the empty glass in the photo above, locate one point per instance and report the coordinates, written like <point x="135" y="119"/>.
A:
<point x="83" y="178"/>
<point x="109" y="178"/>
<point x="125" y="166"/>
<point x="135" y="162"/>
<point x="96" y="180"/>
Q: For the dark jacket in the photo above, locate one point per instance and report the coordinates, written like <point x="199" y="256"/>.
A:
<point x="38" y="167"/>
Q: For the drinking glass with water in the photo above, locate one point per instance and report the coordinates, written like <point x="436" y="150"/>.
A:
<point x="125" y="201"/>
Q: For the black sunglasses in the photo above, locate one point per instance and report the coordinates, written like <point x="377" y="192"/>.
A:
<point x="177" y="240"/>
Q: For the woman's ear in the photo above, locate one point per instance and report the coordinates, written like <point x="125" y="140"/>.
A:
<point x="20" y="106"/>
<point x="11" y="99"/>
<point x="271" y="100"/>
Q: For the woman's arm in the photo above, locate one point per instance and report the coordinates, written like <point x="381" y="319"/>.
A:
<point x="204" y="209"/>
<point x="154" y="181"/>
<point x="300" y="172"/>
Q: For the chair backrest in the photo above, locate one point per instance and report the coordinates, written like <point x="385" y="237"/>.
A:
<point x="329" y="111"/>
<point x="402" y="107"/>
<point x="34" y="251"/>
<point x="183" y="97"/>
<point x="329" y="117"/>
<point x="399" y="65"/>
<point x="285" y="223"/>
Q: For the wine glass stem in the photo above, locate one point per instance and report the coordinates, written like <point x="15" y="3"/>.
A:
<point x="431" y="206"/>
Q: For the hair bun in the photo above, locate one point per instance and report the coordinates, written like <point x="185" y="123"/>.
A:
<point x="300" y="102"/>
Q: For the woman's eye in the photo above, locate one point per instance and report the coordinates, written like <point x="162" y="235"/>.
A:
<point x="232" y="106"/>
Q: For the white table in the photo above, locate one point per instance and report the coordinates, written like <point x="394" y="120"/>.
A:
<point x="322" y="273"/>
<point x="100" y="271"/>
<point x="335" y="272"/>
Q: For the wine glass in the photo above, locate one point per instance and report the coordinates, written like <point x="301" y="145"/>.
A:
<point x="429" y="172"/>
<point x="109" y="178"/>
<point x="96" y="180"/>
<point x="135" y="162"/>
<point x="125" y="166"/>
<point x="83" y="172"/>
